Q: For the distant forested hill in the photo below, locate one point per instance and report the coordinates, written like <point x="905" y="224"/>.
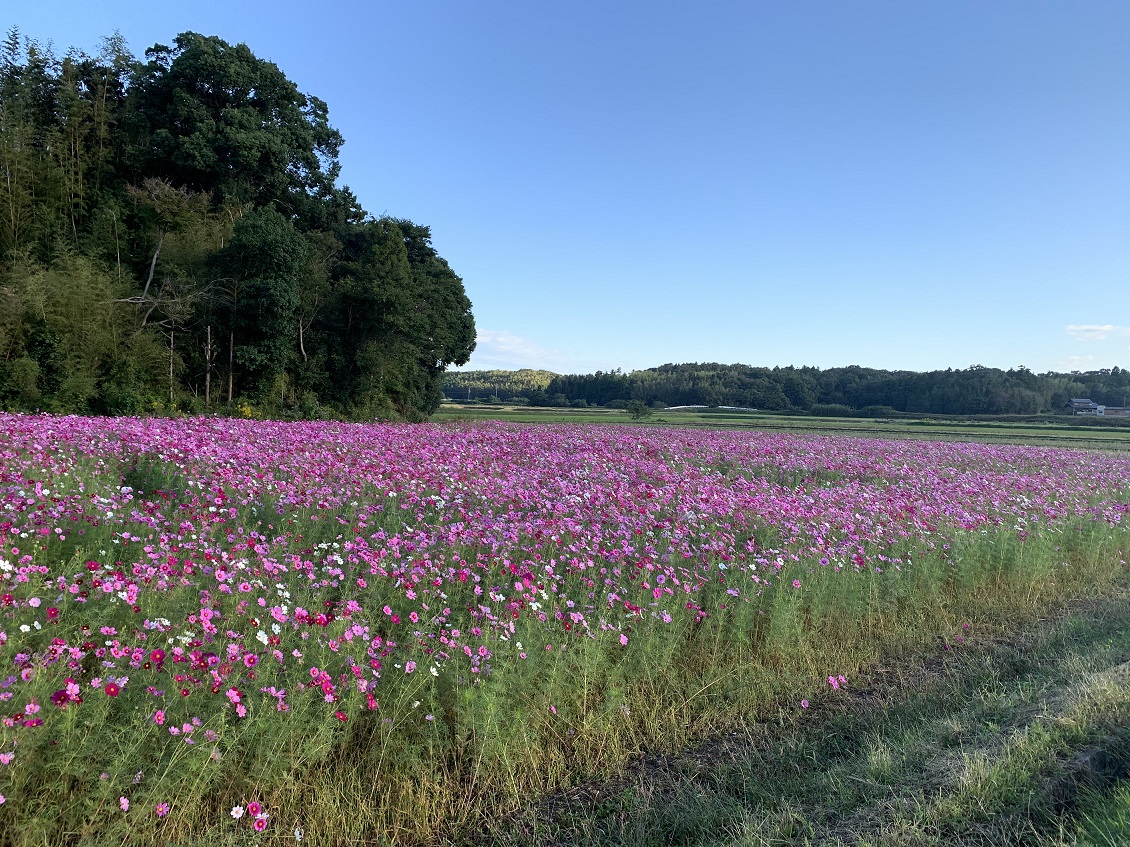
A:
<point x="173" y="236"/>
<point x="973" y="391"/>
<point x="484" y="385"/>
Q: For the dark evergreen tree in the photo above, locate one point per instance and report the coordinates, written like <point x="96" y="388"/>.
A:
<point x="261" y="268"/>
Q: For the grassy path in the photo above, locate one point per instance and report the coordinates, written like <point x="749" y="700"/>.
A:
<point x="989" y="741"/>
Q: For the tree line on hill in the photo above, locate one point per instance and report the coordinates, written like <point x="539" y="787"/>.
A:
<point x="173" y="236"/>
<point x="835" y="391"/>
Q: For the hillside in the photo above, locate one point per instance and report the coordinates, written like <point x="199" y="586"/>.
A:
<point x="835" y="391"/>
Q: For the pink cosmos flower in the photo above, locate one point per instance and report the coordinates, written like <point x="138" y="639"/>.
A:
<point x="254" y="808"/>
<point x="162" y="809"/>
<point x="123" y="804"/>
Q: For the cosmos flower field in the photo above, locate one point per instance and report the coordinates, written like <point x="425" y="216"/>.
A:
<point x="257" y="632"/>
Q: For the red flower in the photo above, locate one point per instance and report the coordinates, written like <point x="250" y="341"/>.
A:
<point x="112" y="689"/>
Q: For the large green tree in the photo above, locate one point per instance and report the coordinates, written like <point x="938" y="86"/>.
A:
<point x="213" y="117"/>
<point x="260" y="272"/>
<point x="173" y="234"/>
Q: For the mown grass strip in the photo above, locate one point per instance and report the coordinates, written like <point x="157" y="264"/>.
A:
<point x="1020" y="432"/>
<point x="995" y="741"/>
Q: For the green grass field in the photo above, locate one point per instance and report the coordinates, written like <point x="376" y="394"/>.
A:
<point x="997" y="738"/>
<point x="1052" y="433"/>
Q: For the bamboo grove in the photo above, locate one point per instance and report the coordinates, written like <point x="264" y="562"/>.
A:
<point x="174" y="237"/>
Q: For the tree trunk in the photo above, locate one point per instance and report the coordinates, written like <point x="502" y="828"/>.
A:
<point x="231" y="363"/>
<point x="170" y="370"/>
<point x="208" y="370"/>
<point x="153" y="264"/>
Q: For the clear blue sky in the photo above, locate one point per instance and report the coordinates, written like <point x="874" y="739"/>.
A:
<point x="893" y="184"/>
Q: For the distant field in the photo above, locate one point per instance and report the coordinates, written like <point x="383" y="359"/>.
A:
<point x="1051" y="434"/>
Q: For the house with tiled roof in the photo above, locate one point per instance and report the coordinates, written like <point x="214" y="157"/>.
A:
<point x="1079" y="406"/>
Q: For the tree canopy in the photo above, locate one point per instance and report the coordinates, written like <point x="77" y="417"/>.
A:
<point x="849" y="390"/>
<point x="173" y="235"/>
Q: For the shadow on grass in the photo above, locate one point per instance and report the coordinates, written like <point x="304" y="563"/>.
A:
<point x="985" y="742"/>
